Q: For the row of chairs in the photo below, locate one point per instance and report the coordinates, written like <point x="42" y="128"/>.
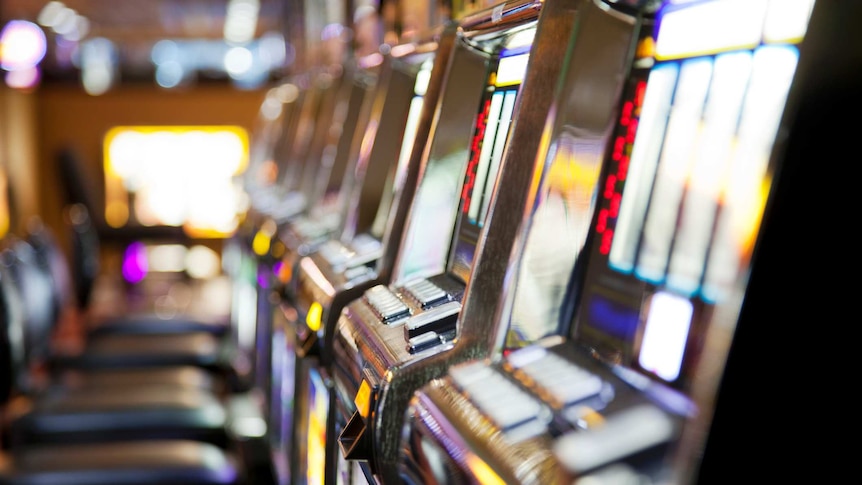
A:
<point x="137" y="399"/>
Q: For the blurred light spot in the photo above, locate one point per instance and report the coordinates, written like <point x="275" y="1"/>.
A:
<point x="164" y="51"/>
<point x="97" y="79"/>
<point x="331" y="31"/>
<point x="80" y="29"/>
<point x="314" y="317"/>
<point x="167" y="258"/>
<point x="271" y="108"/>
<point x="249" y="427"/>
<point x="202" y="262"/>
<point x="260" y="243"/>
<point x="287" y="93"/>
<point x="166" y="307"/>
<point x="134" y="266"/>
<point x="22" y="45"/>
<point x="240" y="22"/>
<point x="61" y="16"/>
<point x="68" y="27"/>
<point x="49" y="13"/>
<point x="23" y="78"/>
<point x="169" y="74"/>
<point x="98" y="65"/>
<point x="272" y="49"/>
<point x="237" y="61"/>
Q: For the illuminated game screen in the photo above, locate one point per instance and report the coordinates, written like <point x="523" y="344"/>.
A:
<point x="318" y="396"/>
<point x="490" y="133"/>
<point x="283" y="372"/>
<point x="687" y="183"/>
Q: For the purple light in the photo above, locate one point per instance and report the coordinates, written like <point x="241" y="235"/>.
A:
<point x="135" y="262"/>
<point x="23" y="78"/>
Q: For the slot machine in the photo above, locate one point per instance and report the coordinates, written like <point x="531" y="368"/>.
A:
<point x="299" y="150"/>
<point x="395" y="337"/>
<point x="294" y="156"/>
<point x="618" y="382"/>
<point x="278" y="119"/>
<point x="273" y="123"/>
<point x="326" y="187"/>
<point x="374" y="214"/>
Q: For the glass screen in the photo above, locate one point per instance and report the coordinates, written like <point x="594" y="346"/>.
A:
<point x="491" y="131"/>
<point x="283" y="375"/>
<point x="566" y="187"/>
<point x="564" y="208"/>
<point x="395" y="178"/>
<point x="431" y="222"/>
<point x="318" y="396"/>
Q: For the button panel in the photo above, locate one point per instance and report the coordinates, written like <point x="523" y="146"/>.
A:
<point x="426" y="293"/>
<point x="566" y="382"/>
<point x="385" y="304"/>
<point x="512" y="409"/>
<point x="442" y="320"/>
<point x="334" y="252"/>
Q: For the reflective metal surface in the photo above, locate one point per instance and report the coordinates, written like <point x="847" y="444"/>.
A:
<point x="366" y="347"/>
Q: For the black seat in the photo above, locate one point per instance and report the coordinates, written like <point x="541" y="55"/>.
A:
<point x="130" y="342"/>
<point x="88" y="413"/>
<point x="156" y="461"/>
<point x="145" y="463"/>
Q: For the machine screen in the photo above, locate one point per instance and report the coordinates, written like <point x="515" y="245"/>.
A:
<point x="283" y="371"/>
<point x="491" y="130"/>
<point x="429" y="228"/>
<point x="318" y="396"/>
<point x="558" y="228"/>
<point x="394" y="179"/>
<point x="685" y="191"/>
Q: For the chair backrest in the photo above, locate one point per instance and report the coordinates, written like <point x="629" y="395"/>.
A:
<point x="13" y="361"/>
<point x="35" y="288"/>
<point x="52" y="260"/>
<point x="7" y="349"/>
<point x="85" y="264"/>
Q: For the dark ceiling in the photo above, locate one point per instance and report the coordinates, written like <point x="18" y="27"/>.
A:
<point x="134" y="26"/>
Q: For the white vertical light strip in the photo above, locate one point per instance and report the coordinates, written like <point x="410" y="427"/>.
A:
<point x="665" y="334"/>
<point x="410" y="129"/>
<point x="642" y="165"/>
<point x="420" y="87"/>
<point x="246" y="315"/>
<point x="481" y="169"/>
<point x="721" y="115"/>
<point x="745" y="186"/>
<point x="683" y="131"/>
<point x="499" y="144"/>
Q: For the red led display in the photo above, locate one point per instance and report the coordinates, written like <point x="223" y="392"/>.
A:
<point x="619" y="166"/>
<point x="475" y="153"/>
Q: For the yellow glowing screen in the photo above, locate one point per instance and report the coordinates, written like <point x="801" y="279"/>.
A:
<point x="175" y="176"/>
